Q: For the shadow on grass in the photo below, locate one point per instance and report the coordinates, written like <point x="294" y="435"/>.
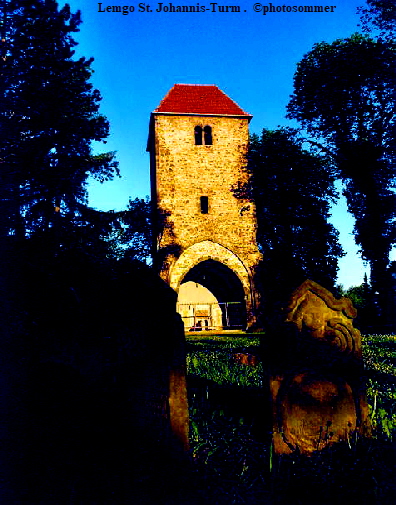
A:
<point x="234" y="462"/>
<point x="360" y="471"/>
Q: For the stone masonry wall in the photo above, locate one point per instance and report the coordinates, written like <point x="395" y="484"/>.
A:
<point x="184" y="172"/>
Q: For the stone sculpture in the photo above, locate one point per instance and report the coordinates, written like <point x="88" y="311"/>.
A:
<point x="315" y="380"/>
<point x="318" y="315"/>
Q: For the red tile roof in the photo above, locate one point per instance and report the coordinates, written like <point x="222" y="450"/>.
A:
<point x="199" y="99"/>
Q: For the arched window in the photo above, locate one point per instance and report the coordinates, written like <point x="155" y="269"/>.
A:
<point x="198" y="135"/>
<point x="208" y="135"/>
<point x="206" y="138"/>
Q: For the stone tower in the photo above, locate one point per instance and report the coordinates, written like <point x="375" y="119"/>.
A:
<point x="205" y="235"/>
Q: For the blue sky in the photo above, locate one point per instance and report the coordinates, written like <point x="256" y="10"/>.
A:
<point x="251" y="56"/>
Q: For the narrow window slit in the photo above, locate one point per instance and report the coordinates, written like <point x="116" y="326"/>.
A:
<point x="207" y="135"/>
<point x="198" y="135"/>
<point x="204" y="205"/>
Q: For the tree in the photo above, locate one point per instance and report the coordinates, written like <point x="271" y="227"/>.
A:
<point x="48" y="118"/>
<point x="65" y="294"/>
<point x="132" y="237"/>
<point x="363" y="299"/>
<point x="345" y="95"/>
<point x="379" y="14"/>
<point x="292" y="188"/>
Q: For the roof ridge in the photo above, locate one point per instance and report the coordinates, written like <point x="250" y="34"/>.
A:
<point x="210" y="99"/>
<point x="191" y="84"/>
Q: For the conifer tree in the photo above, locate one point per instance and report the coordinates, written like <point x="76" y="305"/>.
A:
<point x="48" y="118"/>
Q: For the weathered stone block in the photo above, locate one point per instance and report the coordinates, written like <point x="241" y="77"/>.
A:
<point x="315" y="381"/>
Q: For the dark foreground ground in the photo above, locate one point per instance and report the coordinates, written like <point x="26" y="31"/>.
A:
<point x="80" y="447"/>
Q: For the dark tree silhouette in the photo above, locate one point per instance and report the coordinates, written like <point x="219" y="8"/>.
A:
<point x="70" y="294"/>
<point x="293" y="189"/>
<point x="345" y="93"/>
<point x="379" y="15"/>
<point x="49" y="115"/>
<point x="134" y="238"/>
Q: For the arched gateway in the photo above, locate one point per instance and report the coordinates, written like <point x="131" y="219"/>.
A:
<point x="205" y="237"/>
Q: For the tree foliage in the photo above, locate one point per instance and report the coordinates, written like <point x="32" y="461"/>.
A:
<point x="49" y="115"/>
<point x="132" y="238"/>
<point x="293" y="189"/>
<point x="69" y="292"/>
<point x="379" y="15"/>
<point x="345" y="94"/>
<point x="364" y="300"/>
<point x="344" y="90"/>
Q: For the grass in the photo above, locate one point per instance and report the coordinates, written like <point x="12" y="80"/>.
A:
<point x="213" y="358"/>
<point x="234" y="459"/>
<point x="229" y="458"/>
<point x="223" y="341"/>
<point x="379" y="354"/>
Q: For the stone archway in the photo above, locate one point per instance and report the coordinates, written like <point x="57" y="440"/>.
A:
<point x="198" y="306"/>
<point x="222" y="284"/>
<point x="222" y="272"/>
